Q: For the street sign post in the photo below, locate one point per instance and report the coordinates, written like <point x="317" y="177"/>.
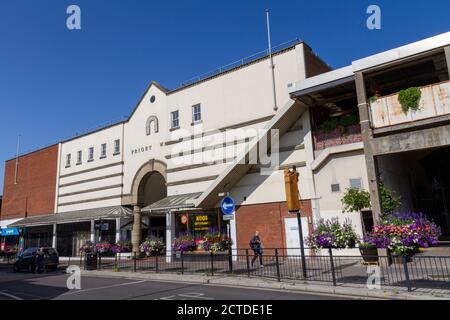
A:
<point x="227" y="207"/>
<point x="293" y="204"/>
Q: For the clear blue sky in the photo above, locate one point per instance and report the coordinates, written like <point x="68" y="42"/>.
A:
<point x="55" y="82"/>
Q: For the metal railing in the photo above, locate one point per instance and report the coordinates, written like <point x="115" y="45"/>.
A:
<point x="417" y="272"/>
<point x="239" y="63"/>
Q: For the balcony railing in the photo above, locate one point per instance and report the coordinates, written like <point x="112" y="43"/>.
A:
<point x="435" y="101"/>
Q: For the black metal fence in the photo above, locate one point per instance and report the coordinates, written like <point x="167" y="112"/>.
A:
<point x="417" y="272"/>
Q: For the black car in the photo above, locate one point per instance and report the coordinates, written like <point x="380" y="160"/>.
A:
<point x="27" y="259"/>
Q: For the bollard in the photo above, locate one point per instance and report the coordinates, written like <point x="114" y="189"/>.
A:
<point x="182" y="263"/>
<point x="278" y="265"/>
<point x="333" y="274"/>
<point x="212" y="263"/>
<point x="134" y="262"/>
<point x="405" y="268"/>
<point x="248" y="262"/>
<point x="230" y="260"/>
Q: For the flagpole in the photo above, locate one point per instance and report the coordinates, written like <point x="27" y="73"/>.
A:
<point x="17" y="159"/>
<point x="272" y="67"/>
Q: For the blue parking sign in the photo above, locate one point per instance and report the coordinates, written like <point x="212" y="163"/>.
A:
<point x="227" y="205"/>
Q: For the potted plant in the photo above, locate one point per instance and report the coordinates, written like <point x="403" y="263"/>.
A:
<point x="121" y="246"/>
<point x="355" y="200"/>
<point x="369" y="252"/>
<point x="216" y="241"/>
<point x="152" y="247"/>
<point x="402" y="234"/>
<point x="87" y="247"/>
<point x="331" y="234"/>
<point x="184" y="242"/>
<point x="409" y="99"/>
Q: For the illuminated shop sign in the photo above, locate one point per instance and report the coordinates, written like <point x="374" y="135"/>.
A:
<point x="201" y="222"/>
<point x="9" y="232"/>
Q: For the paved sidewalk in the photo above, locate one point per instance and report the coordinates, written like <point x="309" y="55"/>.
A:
<point x="354" y="291"/>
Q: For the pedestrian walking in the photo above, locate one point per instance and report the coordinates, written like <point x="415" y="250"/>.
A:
<point x="257" y="247"/>
<point x="40" y="264"/>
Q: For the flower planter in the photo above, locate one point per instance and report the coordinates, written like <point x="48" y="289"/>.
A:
<point x="369" y="254"/>
<point x="400" y="259"/>
<point x="201" y="256"/>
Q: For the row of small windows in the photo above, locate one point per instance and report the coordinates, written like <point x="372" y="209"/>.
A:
<point x="91" y="153"/>
<point x="196" y="116"/>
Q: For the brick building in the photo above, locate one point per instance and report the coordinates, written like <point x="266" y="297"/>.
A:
<point x="162" y="172"/>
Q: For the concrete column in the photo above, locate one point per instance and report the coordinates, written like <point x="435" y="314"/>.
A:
<point x="54" y="236"/>
<point x="170" y="234"/>
<point x="366" y="132"/>
<point x="92" y="231"/>
<point x="117" y="230"/>
<point x="136" y="232"/>
<point x="447" y="57"/>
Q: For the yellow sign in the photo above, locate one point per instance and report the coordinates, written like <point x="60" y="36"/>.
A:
<point x="201" y="222"/>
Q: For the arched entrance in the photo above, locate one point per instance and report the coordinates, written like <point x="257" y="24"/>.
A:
<point x="149" y="185"/>
<point x="151" y="188"/>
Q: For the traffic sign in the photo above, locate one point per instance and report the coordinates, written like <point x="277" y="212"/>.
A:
<point x="228" y="217"/>
<point x="227" y="205"/>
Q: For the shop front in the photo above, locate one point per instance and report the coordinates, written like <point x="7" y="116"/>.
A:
<point x="197" y="224"/>
<point x="70" y="231"/>
<point x="9" y="241"/>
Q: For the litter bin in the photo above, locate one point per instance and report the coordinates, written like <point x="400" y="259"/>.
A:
<point x="90" y="261"/>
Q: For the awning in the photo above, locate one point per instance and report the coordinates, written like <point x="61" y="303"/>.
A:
<point x="75" y="216"/>
<point x="182" y="201"/>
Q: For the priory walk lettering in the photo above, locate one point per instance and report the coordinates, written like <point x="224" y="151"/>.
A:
<point x="141" y="149"/>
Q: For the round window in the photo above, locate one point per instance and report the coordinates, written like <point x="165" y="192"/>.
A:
<point x="152" y="99"/>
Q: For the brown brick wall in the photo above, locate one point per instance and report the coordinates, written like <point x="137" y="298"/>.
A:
<point x="313" y="64"/>
<point x="268" y="219"/>
<point x="34" y="193"/>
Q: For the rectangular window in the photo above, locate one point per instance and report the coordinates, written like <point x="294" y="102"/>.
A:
<point x="196" y="113"/>
<point x="79" y="157"/>
<point x="174" y="120"/>
<point x="355" y="183"/>
<point x="103" y="151"/>
<point x="91" y="154"/>
<point x="335" y="187"/>
<point x="68" y="159"/>
<point x="116" y="147"/>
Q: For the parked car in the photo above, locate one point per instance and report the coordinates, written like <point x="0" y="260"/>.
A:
<point x="27" y="259"/>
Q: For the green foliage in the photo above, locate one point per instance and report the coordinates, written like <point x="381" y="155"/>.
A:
<point x="409" y="99"/>
<point x="330" y="125"/>
<point x="389" y="202"/>
<point x="354" y="200"/>
<point x="373" y="99"/>
<point x="341" y="122"/>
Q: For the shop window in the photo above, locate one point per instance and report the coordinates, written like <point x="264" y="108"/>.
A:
<point x="196" y="224"/>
